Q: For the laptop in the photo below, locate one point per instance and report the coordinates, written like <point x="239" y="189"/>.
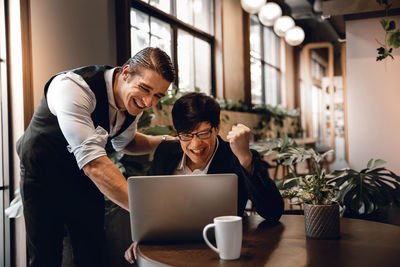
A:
<point x="177" y="207"/>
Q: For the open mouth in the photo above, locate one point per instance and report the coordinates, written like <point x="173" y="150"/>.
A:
<point x="197" y="151"/>
<point x="139" y="105"/>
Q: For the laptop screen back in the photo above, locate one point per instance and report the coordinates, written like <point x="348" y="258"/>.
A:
<point x="177" y="207"/>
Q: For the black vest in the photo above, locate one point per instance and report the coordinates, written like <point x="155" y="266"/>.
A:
<point x="43" y="147"/>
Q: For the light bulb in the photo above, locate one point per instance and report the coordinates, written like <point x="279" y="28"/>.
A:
<point x="252" y="6"/>
<point x="294" y="36"/>
<point x="282" y="25"/>
<point x="269" y="13"/>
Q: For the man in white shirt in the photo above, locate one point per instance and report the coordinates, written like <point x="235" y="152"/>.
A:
<point x="64" y="167"/>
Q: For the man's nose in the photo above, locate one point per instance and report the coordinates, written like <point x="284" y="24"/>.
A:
<point x="196" y="139"/>
<point x="148" y="100"/>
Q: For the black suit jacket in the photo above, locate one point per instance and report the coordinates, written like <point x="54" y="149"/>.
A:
<point x="259" y="188"/>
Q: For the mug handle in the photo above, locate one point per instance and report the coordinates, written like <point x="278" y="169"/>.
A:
<point x="208" y="226"/>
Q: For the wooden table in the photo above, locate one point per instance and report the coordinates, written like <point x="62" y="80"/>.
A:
<point x="362" y="243"/>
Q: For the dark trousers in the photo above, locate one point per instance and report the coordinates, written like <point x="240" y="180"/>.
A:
<point x="53" y="204"/>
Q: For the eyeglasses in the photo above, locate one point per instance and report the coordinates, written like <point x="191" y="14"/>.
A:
<point x="201" y="135"/>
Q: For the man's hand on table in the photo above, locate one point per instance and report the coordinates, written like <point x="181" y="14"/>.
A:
<point x="130" y="253"/>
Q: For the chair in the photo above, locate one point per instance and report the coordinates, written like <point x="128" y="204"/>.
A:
<point x="285" y="169"/>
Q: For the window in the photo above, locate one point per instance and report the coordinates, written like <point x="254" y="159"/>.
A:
<point x="264" y="64"/>
<point x="184" y="30"/>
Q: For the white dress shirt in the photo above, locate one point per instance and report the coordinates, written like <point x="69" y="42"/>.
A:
<point x="72" y="101"/>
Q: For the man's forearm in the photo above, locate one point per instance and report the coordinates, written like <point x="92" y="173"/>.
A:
<point x="110" y="181"/>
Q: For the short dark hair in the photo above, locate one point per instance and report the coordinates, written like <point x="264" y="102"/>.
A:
<point x="194" y="108"/>
<point x="152" y="58"/>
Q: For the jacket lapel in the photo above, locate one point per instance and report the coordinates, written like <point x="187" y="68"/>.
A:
<point x="220" y="162"/>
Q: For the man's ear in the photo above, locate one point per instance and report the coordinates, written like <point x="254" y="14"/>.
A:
<point x="217" y="128"/>
<point x="125" y="72"/>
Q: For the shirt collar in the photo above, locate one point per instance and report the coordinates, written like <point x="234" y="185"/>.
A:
<point x="108" y="76"/>
<point x="182" y="164"/>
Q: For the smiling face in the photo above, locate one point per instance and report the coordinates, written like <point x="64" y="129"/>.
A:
<point x="136" y="93"/>
<point x="199" y="151"/>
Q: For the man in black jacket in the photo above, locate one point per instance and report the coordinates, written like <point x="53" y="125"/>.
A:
<point x="200" y="150"/>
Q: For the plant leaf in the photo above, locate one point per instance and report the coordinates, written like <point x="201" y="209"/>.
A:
<point x="377" y="163"/>
<point x="369" y="164"/>
<point x="393" y="39"/>
<point x="385" y="23"/>
<point x="289" y="183"/>
<point x="391" y="26"/>
<point x="379" y="58"/>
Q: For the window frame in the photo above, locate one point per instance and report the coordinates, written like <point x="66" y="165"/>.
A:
<point x="124" y="37"/>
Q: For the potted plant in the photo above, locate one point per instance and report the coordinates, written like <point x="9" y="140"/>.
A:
<point x="313" y="190"/>
<point x="366" y="194"/>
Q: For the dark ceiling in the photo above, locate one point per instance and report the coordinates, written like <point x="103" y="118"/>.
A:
<point x="318" y="28"/>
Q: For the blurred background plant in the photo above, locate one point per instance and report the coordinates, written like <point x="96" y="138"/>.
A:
<point x="392" y="35"/>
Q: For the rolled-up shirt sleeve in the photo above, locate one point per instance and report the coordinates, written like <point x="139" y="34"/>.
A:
<point x="71" y="100"/>
<point x="91" y="148"/>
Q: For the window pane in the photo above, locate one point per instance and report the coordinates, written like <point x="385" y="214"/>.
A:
<point x="139" y="20"/>
<point x="202" y="65"/>
<point x="163" y="5"/>
<point x="271" y="47"/>
<point x="140" y="40"/>
<point x="194" y="63"/>
<point x="256" y="83"/>
<point x="264" y="64"/>
<point x="161" y="35"/>
<point x="140" y="34"/>
<point x="185" y="61"/>
<point x="184" y="11"/>
<point x="204" y="15"/>
<point x="272" y="86"/>
<point x="198" y="13"/>
<point x="255" y="41"/>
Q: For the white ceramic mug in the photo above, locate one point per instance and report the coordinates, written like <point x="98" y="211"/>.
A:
<point x="228" y="235"/>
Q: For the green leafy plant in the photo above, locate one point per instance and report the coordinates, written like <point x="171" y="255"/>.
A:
<point x="392" y="35"/>
<point x="171" y="96"/>
<point x="310" y="188"/>
<point x="359" y="192"/>
<point x="368" y="190"/>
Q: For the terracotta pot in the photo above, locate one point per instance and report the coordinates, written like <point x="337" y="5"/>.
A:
<point x="322" y="221"/>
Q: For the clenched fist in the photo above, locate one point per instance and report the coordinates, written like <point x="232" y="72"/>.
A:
<point x="238" y="139"/>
